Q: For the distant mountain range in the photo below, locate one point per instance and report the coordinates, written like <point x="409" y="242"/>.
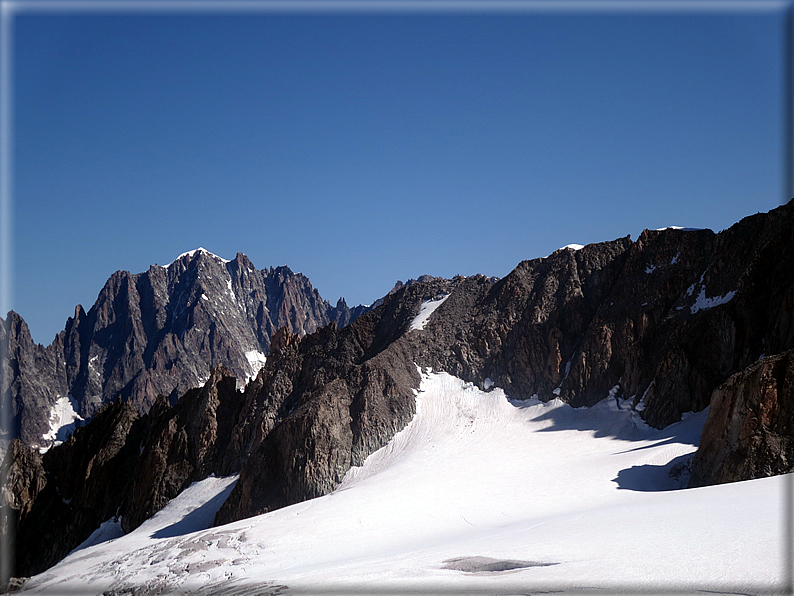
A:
<point x="158" y="332"/>
<point x="676" y="320"/>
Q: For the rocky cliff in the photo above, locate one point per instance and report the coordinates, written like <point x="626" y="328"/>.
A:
<point x="158" y="332"/>
<point x="749" y="432"/>
<point x="667" y="319"/>
<point x="119" y="466"/>
<point x="74" y="488"/>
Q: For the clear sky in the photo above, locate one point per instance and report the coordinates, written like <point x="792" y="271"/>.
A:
<point x="362" y="147"/>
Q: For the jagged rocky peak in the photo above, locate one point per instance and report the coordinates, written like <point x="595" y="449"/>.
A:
<point x="667" y="319"/>
<point x="161" y="332"/>
<point x="421" y="279"/>
<point x="29" y="370"/>
<point x="190" y="255"/>
<point x="119" y="468"/>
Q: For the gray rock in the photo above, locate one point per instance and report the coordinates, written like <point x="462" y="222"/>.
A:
<point x="158" y="332"/>
<point x="666" y="319"/>
<point x="75" y="488"/>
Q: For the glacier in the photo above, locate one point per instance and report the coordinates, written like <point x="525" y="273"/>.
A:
<point x="477" y="494"/>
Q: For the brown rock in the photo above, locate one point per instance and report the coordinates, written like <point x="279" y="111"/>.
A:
<point x="185" y="443"/>
<point x="58" y="499"/>
<point x="158" y="332"/>
<point x="749" y="432"/>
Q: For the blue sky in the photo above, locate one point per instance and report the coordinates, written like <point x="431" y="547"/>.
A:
<point x="363" y="147"/>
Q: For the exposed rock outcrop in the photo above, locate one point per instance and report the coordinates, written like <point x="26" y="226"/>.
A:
<point x="184" y="443"/>
<point x="118" y="466"/>
<point x="79" y="485"/>
<point x="23" y="478"/>
<point x="666" y="319"/>
<point x="158" y="332"/>
<point x="749" y="431"/>
<point x="32" y="378"/>
<point x="325" y="402"/>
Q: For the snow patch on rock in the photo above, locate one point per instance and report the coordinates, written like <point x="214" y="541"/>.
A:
<point x="63" y="421"/>
<point x="256" y="360"/>
<point x="679" y="228"/>
<point x="703" y="303"/>
<point x="191" y="253"/>
<point x="428" y="308"/>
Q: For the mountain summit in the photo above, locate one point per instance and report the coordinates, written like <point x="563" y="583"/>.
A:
<point x="158" y="332"/>
<point x="658" y="327"/>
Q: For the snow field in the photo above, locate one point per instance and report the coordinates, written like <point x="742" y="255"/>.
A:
<point x="582" y="495"/>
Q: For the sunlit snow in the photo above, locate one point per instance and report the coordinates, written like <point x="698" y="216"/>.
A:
<point x="63" y="420"/>
<point x="256" y="360"/>
<point x="572" y="247"/>
<point x="190" y="254"/>
<point x="477" y="494"/>
<point x="679" y="228"/>
<point x="428" y="308"/>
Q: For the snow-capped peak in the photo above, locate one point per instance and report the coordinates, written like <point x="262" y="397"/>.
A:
<point x="679" y="228"/>
<point x="191" y="253"/>
<point x="572" y="246"/>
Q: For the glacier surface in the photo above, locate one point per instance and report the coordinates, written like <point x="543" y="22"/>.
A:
<point x="478" y="494"/>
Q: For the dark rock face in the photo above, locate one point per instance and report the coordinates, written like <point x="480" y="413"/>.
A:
<point x="323" y="403"/>
<point x="749" y="431"/>
<point x="32" y="377"/>
<point x="118" y="466"/>
<point x="158" y="332"/>
<point x="79" y="486"/>
<point x="184" y="443"/>
<point x="666" y="319"/>
<point x="23" y="479"/>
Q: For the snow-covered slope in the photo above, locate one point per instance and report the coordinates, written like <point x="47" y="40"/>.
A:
<point x="428" y="308"/>
<point x="478" y="494"/>
<point x="63" y="421"/>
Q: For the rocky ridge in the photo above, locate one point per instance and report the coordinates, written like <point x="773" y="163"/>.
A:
<point x="667" y="319"/>
<point x="120" y="466"/>
<point x="158" y="332"/>
<point x="749" y="432"/>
